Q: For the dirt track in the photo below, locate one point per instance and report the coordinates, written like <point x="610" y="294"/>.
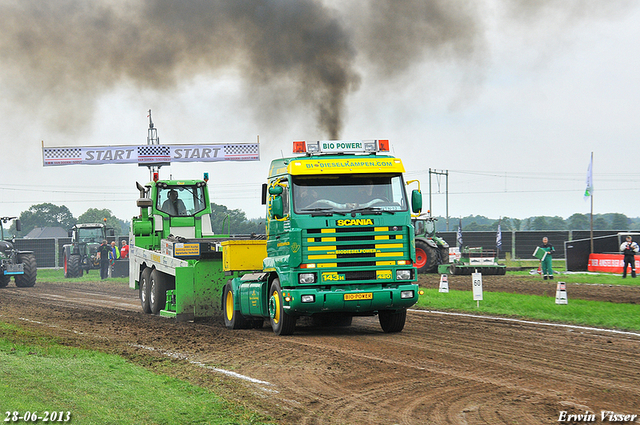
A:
<point x="442" y="369"/>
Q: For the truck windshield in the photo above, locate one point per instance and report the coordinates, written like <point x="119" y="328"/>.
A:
<point x="181" y="200"/>
<point x="347" y="193"/>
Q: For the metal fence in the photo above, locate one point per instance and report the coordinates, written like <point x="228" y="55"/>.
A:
<point x="49" y="252"/>
<point x="519" y="244"/>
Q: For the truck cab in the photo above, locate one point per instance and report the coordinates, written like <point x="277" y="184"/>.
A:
<point x="340" y="242"/>
<point x="178" y="207"/>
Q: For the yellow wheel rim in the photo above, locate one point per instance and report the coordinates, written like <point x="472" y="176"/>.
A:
<point x="276" y="304"/>
<point x="229" y="306"/>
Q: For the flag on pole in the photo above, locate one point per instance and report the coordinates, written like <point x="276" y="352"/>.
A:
<point x="499" y="239"/>
<point x="589" y="190"/>
<point x="460" y="234"/>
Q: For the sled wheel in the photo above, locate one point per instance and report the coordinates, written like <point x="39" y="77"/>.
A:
<point x="145" y="290"/>
<point x="233" y="319"/>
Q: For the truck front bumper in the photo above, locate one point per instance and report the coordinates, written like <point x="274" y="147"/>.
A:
<point x="307" y="301"/>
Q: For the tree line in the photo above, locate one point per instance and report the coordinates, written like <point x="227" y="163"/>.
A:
<point x="235" y="221"/>
<point x="223" y="220"/>
<point x="609" y="221"/>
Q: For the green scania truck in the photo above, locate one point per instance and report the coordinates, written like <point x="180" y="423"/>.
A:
<point x="339" y="243"/>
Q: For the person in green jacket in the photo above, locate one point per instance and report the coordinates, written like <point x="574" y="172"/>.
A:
<point x="547" y="270"/>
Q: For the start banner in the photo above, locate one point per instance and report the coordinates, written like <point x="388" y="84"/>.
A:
<point x="149" y="154"/>
<point x="608" y="263"/>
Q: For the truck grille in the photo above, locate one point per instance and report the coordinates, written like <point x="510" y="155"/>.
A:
<point x="375" y="248"/>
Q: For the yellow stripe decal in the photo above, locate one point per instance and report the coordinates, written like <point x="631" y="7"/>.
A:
<point x="321" y="265"/>
<point x="385" y="263"/>
<point x="381" y="229"/>
<point x="322" y="248"/>
<point x="323" y="257"/>
<point x="327" y="230"/>
<point x="391" y="245"/>
<point x="389" y="254"/>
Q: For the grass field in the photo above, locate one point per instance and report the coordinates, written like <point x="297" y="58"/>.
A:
<point x="579" y="312"/>
<point x="40" y="375"/>
<point x="57" y="275"/>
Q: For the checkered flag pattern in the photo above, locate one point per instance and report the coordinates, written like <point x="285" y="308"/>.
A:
<point x="62" y="154"/>
<point x="241" y="150"/>
<point x="155" y="152"/>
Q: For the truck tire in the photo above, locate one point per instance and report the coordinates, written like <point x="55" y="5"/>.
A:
<point x="233" y="319"/>
<point x="426" y="257"/>
<point x="392" y="321"/>
<point x="74" y="266"/>
<point x="145" y="290"/>
<point x="28" y="279"/>
<point x="4" y="280"/>
<point x="281" y="322"/>
<point x="157" y="291"/>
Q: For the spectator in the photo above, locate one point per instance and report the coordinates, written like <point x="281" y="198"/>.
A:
<point x="124" y="250"/>
<point x="547" y="268"/>
<point x="629" y="248"/>
<point x="104" y="252"/>
<point x="115" y="252"/>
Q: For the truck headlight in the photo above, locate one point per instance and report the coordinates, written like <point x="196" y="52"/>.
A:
<point x="308" y="298"/>
<point x="406" y="294"/>
<point x="307" y="278"/>
<point x="403" y="274"/>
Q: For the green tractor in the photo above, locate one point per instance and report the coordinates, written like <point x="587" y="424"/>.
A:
<point x="19" y="264"/>
<point x="431" y="250"/>
<point x="81" y="254"/>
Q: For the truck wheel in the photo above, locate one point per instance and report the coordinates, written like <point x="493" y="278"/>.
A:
<point x="74" y="268"/>
<point x="28" y="279"/>
<point x="426" y="257"/>
<point x="392" y="321"/>
<point x="281" y="322"/>
<point x="145" y="290"/>
<point x="444" y="255"/>
<point x="4" y="281"/>
<point x="233" y="319"/>
<point x="157" y="291"/>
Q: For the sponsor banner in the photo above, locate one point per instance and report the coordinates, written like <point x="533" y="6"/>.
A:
<point x="608" y="263"/>
<point x="150" y="154"/>
<point x="363" y="164"/>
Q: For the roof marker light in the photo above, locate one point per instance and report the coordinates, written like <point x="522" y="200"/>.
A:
<point x="383" y="145"/>
<point x="299" y="147"/>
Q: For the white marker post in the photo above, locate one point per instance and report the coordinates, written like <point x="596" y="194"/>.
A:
<point x="476" y="278"/>
<point x="561" y="293"/>
<point x="444" y="283"/>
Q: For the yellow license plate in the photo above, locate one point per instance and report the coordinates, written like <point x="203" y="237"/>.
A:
<point x="360" y="296"/>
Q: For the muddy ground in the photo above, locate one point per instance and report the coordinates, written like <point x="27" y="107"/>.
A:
<point x="442" y="369"/>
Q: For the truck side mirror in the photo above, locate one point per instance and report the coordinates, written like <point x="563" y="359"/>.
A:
<point x="111" y="232"/>
<point x="277" y="207"/>
<point x="416" y="201"/>
<point x="275" y="190"/>
<point x="18" y="225"/>
<point x="70" y="233"/>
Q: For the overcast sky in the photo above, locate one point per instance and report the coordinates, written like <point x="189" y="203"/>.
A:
<point x="511" y="97"/>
